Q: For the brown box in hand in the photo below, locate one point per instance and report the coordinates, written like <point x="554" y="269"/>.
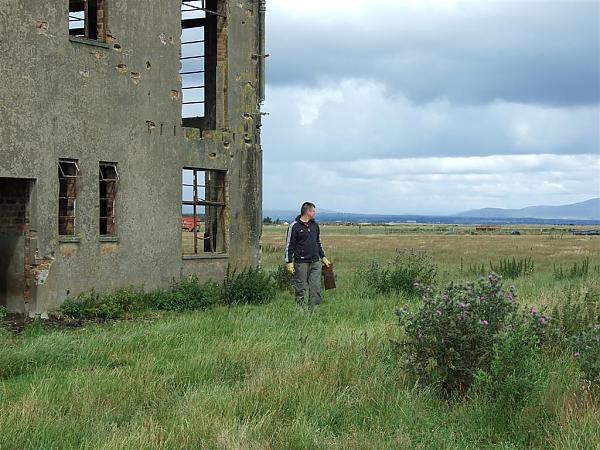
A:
<point x="328" y="277"/>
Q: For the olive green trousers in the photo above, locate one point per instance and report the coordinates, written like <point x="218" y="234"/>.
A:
<point x="307" y="273"/>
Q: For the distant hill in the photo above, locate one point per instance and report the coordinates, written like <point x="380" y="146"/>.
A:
<point x="587" y="210"/>
<point x="583" y="213"/>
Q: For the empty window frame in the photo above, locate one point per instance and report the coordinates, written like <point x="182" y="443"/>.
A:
<point x="203" y="208"/>
<point x="87" y="19"/>
<point x="199" y="62"/>
<point x="109" y="183"/>
<point x="68" y="172"/>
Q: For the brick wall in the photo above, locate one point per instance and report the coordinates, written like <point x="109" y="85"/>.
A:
<point x="14" y="223"/>
<point x="13" y="207"/>
<point x="101" y="20"/>
<point x="222" y="32"/>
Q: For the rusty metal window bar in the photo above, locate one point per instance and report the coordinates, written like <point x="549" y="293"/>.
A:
<point x="109" y="182"/>
<point x="193" y="55"/>
<point x="68" y="172"/>
<point x="87" y="19"/>
<point x="203" y="206"/>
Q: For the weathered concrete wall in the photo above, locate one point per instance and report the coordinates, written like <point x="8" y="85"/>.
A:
<point x="115" y="102"/>
<point x="245" y="122"/>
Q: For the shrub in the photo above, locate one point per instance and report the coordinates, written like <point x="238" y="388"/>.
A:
<point x="186" y="295"/>
<point x="120" y="302"/>
<point x="89" y="305"/>
<point x="3" y="313"/>
<point x="250" y="286"/>
<point x="515" y="370"/>
<point x="575" y="271"/>
<point x="513" y="268"/>
<point x="283" y="279"/>
<point x="452" y="335"/>
<point x="109" y="308"/>
<point x="587" y="353"/>
<point x="577" y="310"/>
<point x="575" y="326"/>
<point x="539" y="324"/>
<point x="407" y="269"/>
<point x="83" y="306"/>
<point x="476" y="270"/>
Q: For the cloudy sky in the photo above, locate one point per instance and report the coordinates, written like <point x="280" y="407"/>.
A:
<point x="431" y="106"/>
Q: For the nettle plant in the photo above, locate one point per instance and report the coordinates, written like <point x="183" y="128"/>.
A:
<point x="588" y="353"/>
<point x="452" y="335"/>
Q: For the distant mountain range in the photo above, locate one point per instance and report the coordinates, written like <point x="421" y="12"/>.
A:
<point x="583" y="212"/>
<point x="587" y="210"/>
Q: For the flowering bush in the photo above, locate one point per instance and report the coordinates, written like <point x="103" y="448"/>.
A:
<point x="452" y="335"/>
<point x="539" y="324"/>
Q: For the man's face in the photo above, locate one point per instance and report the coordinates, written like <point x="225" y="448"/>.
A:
<point x="311" y="213"/>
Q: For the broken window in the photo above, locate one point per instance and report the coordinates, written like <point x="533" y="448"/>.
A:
<point x="87" y="19"/>
<point x="199" y="20"/>
<point x="68" y="172"/>
<point x="203" y="207"/>
<point x="109" y="180"/>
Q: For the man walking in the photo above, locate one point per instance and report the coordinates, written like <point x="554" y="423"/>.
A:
<point x="303" y="255"/>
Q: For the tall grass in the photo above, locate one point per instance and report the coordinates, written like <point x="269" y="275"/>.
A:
<point x="270" y="376"/>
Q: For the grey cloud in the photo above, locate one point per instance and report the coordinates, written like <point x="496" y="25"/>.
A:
<point x="360" y="119"/>
<point x="333" y="188"/>
<point x="545" y="53"/>
<point x="423" y="109"/>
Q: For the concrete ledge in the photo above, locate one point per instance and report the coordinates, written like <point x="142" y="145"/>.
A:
<point x="206" y="256"/>
<point x="91" y="42"/>
<point x="69" y="240"/>
<point x="108" y="239"/>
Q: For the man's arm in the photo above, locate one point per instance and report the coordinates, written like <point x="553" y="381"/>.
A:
<point x="321" y="252"/>
<point x="290" y="244"/>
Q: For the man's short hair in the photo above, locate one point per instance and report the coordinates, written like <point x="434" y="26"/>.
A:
<point x="305" y="207"/>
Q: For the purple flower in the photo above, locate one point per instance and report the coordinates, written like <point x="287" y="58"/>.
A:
<point x="577" y="354"/>
<point x="485" y="323"/>
<point x="534" y="312"/>
<point x="463" y="305"/>
<point x="542" y="320"/>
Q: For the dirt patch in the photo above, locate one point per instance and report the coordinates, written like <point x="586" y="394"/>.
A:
<point x="17" y="323"/>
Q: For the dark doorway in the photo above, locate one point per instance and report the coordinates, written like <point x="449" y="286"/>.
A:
<point x="14" y="230"/>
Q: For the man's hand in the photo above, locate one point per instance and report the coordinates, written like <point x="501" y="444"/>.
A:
<point x="290" y="267"/>
<point x="326" y="262"/>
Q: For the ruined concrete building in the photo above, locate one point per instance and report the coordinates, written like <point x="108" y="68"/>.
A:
<point x="129" y="144"/>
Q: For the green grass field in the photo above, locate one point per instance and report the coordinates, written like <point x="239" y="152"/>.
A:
<point x="273" y="377"/>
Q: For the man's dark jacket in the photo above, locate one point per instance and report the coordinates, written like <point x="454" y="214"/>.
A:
<point x="303" y="243"/>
